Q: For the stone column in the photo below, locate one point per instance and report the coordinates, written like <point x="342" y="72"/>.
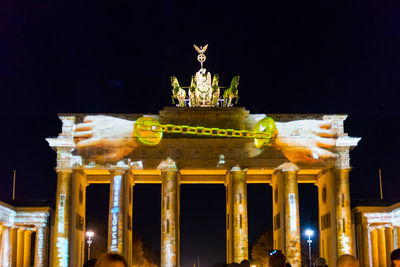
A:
<point x="364" y="240"/>
<point x="327" y="215"/>
<point x="1" y="243"/>
<point x="170" y="214"/>
<point x="237" y="226"/>
<point x="20" y="247"/>
<point x="41" y="245"/>
<point x="128" y="225"/>
<point x="278" y="210"/>
<point x="62" y="223"/>
<point x="389" y="243"/>
<point x="27" y="249"/>
<point x="382" y="247"/>
<point x="5" y="247"/>
<point x="77" y="218"/>
<point x="396" y="233"/>
<point x="291" y="213"/>
<point x="343" y="213"/>
<point x="374" y="247"/>
<point x="120" y="214"/>
<point x="13" y="246"/>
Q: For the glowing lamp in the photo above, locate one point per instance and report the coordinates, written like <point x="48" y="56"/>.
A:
<point x="309" y="233"/>
<point x="89" y="234"/>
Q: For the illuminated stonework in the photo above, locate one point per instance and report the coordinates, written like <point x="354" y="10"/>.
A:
<point x="289" y="211"/>
<point x="236" y="213"/>
<point x="343" y="213"/>
<point x="115" y="226"/>
<point x="379" y="229"/>
<point x="170" y="215"/>
<point x="193" y="159"/>
<point x="16" y="228"/>
<point x="7" y="215"/>
<point x="120" y="212"/>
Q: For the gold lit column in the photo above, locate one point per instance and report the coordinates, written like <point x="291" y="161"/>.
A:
<point x="1" y="242"/>
<point x="374" y="247"/>
<point x="77" y="218"/>
<point x="396" y="233"/>
<point x="389" y="243"/>
<point x="278" y="210"/>
<point x="120" y="214"/>
<point x="27" y="249"/>
<point x="291" y="213"/>
<point x="128" y="225"/>
<point x="13" y="246"/>
<point x="343" y="213"/>
<point x="382" y="247"/>
<point x="365" y="245"/>
<point x="5" y="247"/>
<point x="20" y="247"/>
<point x="62" y="225"/>
<point x="237" y="225"/>
<point x="41" y="245"/>
<point x="326" y="211"/>
<point x="170" y="215"/>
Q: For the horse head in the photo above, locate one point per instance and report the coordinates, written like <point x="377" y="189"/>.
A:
<point x="193" y="84"/>
<point x="235" y="83"/>
<point x="215" y="80"/>
<point x="174" y="82"/>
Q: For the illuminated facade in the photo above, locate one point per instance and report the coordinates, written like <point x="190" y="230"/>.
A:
<point x="378" y="233"/>
<point x="197" y="160"/>
<point x="24" y="236"/>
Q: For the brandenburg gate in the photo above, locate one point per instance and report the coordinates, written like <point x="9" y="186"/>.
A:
<point x="309" y="148"/>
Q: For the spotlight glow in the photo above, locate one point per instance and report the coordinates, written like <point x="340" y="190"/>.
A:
<point x="309" y="232"/>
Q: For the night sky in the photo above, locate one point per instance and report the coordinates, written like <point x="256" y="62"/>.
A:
<point x="117" y="56"/>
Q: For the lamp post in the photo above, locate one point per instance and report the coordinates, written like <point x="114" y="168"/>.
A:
<point x="89" y="234"/>
<point x="309" y="233"/>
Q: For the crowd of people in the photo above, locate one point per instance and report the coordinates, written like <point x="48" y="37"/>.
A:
<point x="107" y="260"/>
<point x="277" y="259"/>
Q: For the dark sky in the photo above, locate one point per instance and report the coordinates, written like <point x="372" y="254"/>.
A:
<point x="117" y="56"/>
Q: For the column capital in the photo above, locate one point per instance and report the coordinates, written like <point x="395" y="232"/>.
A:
<point x="167" y="165"/>
<point x="63" y="170"/>
<point x="343" y="169"/>
<point x="40" y="225"/>
<point x="237" y="168"/>
<point x="120" y="168"/>
<point x="287" y="167"/>
<point x="118" y="171"/>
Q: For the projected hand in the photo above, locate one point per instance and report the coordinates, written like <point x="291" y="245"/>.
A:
<point x="306" y="140"/>
<point x="104" y="138"/>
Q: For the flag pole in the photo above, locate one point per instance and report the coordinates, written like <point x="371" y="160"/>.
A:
<point x="380" y="182"/>
<point x="13" y="198"/>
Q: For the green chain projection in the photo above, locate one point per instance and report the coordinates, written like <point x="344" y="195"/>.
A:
<point x="149" y="131"/>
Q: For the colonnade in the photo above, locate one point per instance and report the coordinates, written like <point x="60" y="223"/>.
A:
<point x="378" y="233"/>
<point x="24" y="241"/>
<point x="381" y="244"/>
<point x="382" y="240"/>
<point x="333" y="208"/>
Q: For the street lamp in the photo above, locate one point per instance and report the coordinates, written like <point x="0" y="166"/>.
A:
<point x="89" y="234"/>
<point x="309" y="233"/>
